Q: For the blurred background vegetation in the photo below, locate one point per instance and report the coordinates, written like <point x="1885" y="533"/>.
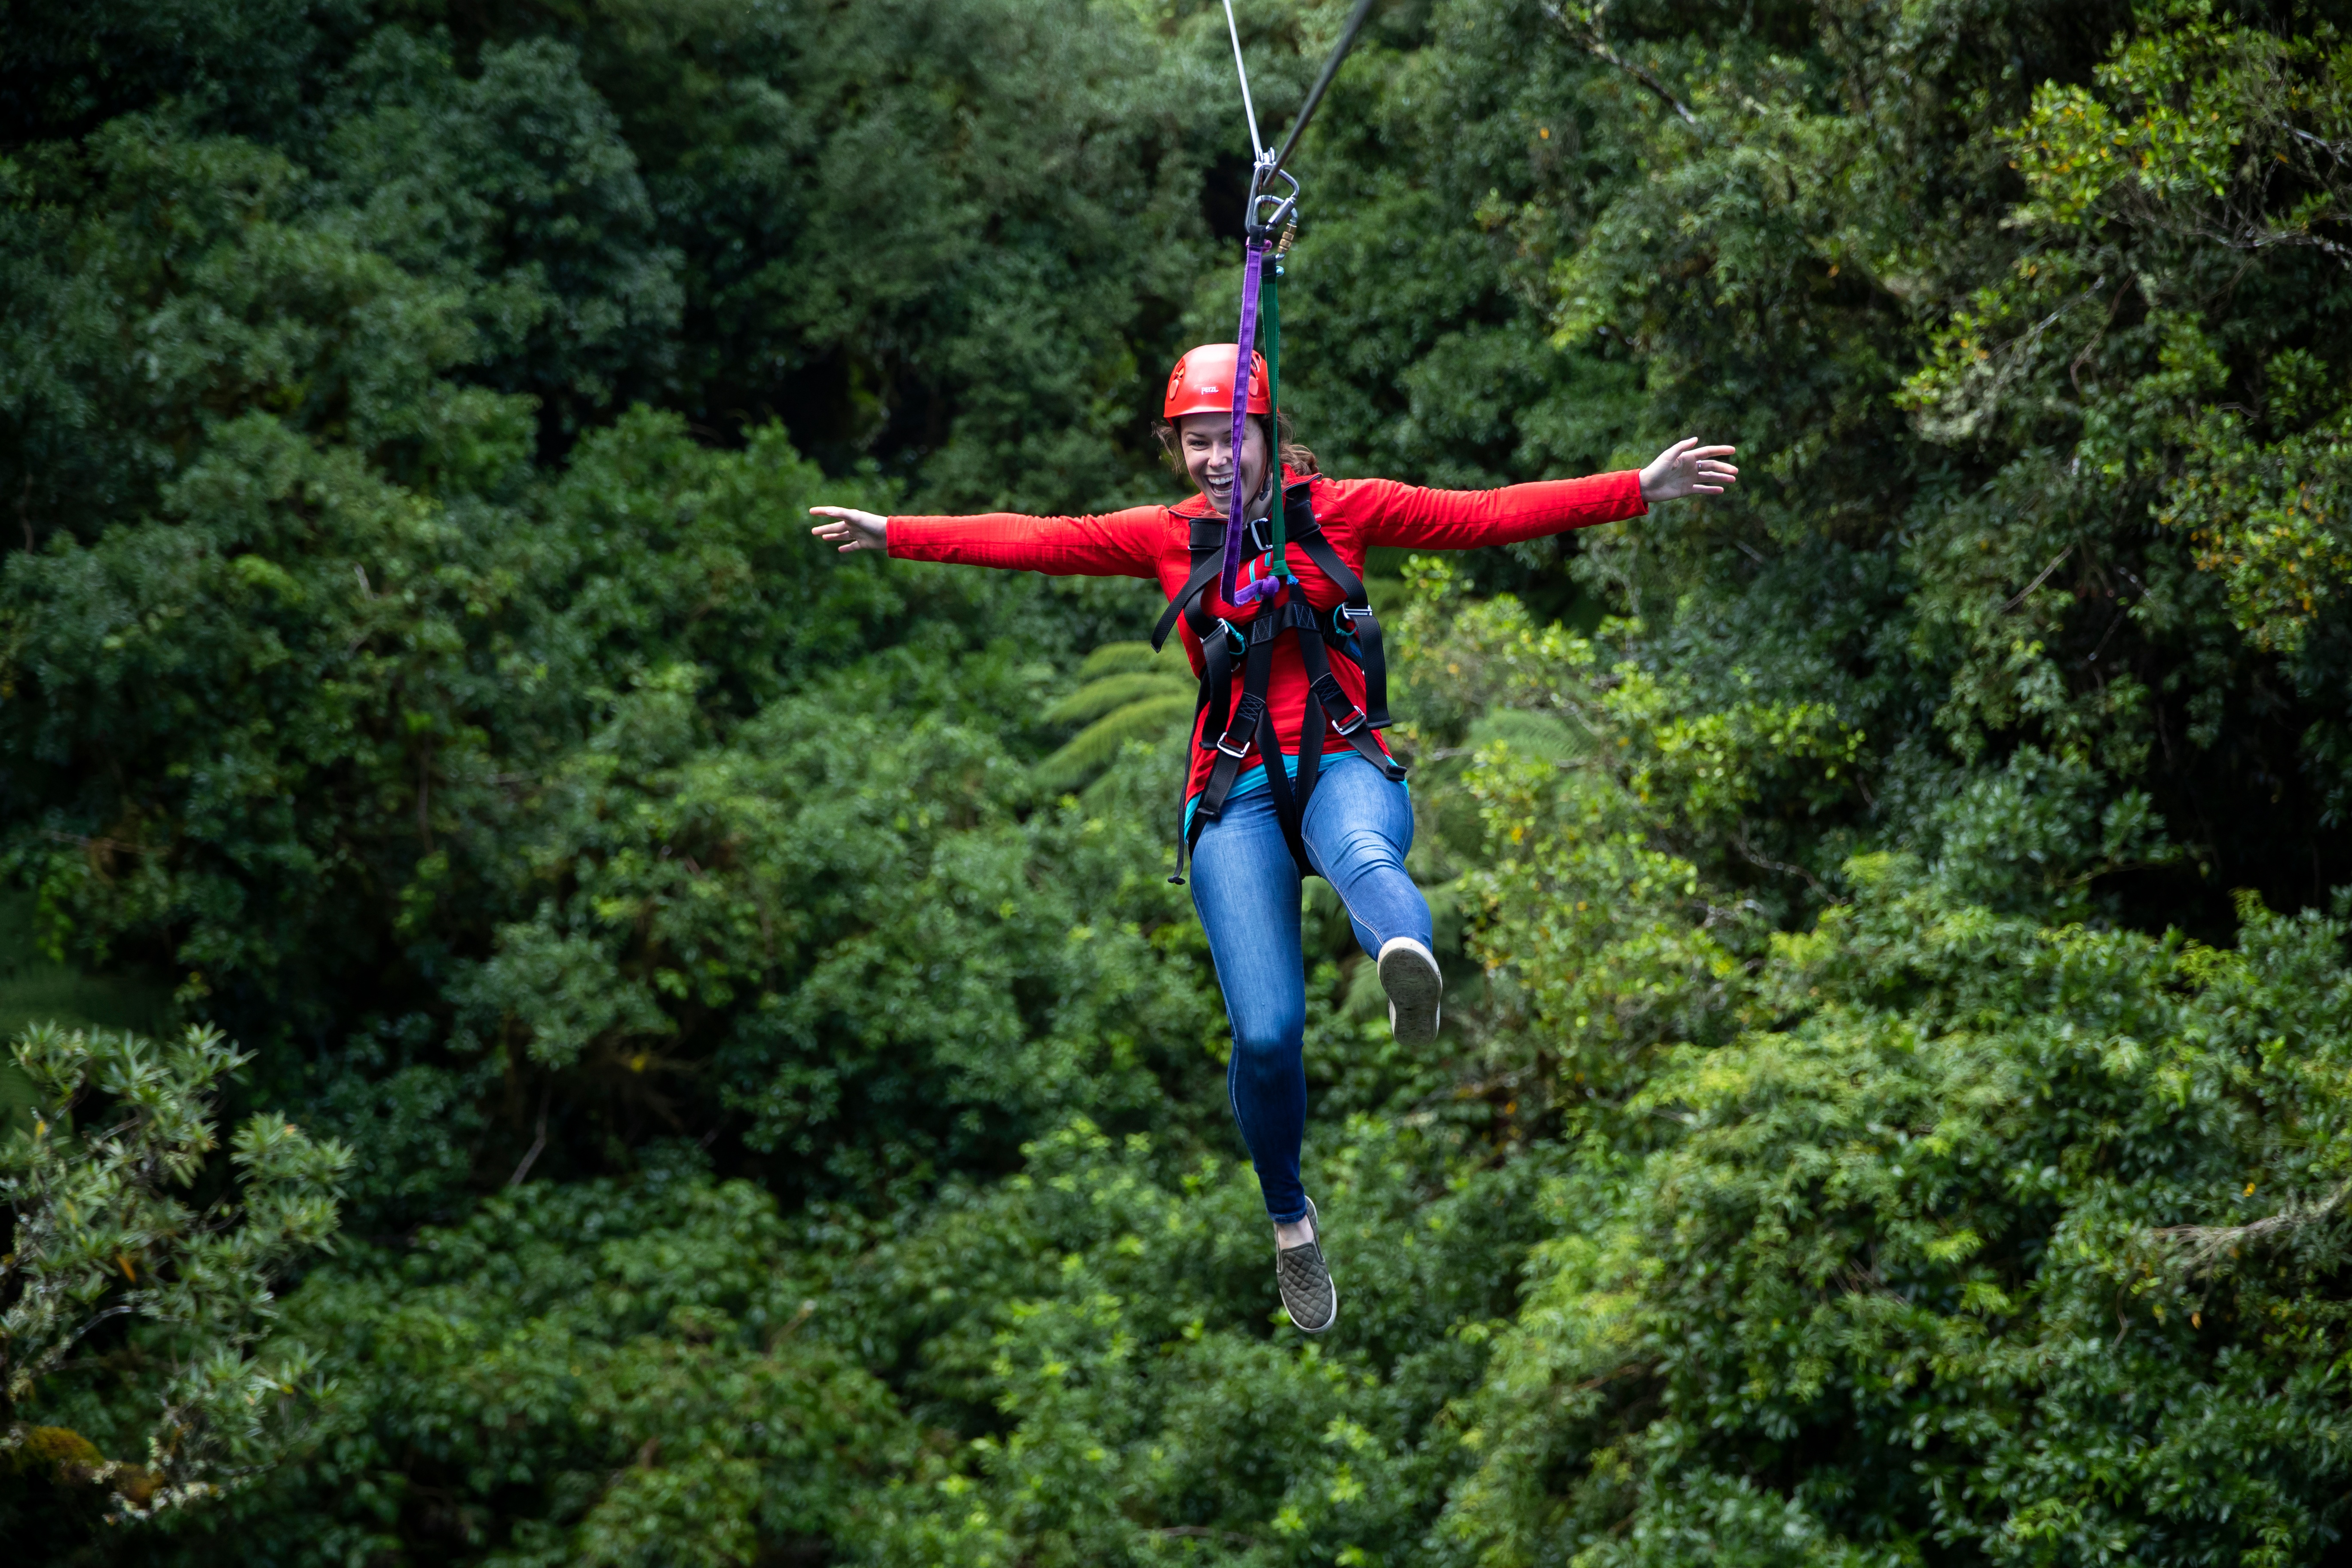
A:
<point x="1899" y="1056"/>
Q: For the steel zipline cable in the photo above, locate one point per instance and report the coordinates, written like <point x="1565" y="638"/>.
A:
<point x="1264" y="211"/>
<point x="1249" y="109"/>
<point x="1313" y="94"/>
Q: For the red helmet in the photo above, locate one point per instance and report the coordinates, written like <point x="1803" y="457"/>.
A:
<point x="1202" y="383"/>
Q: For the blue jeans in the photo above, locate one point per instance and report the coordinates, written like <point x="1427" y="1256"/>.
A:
<point x="1246" y="887"/>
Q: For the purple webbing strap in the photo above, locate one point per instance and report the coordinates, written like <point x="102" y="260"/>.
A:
<point x="1243" y="353"/>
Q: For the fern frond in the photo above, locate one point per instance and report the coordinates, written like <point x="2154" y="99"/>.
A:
<point x="1125" y="659"/>
<point x="1112" y="693"/>
<point x="1365" y="1000"/>
<point x="1539" y="735"/>
<point x="1093" y="748"/>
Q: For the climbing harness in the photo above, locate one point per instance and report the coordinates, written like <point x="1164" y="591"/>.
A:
<point x="1236" y="724"/>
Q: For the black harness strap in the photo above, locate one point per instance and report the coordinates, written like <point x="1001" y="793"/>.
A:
<point x="1334" y="707"/>
<point x="1362" y="624"/>
<point x="1289" y="798"/>
<point x="1187" y="599"/>
<point x="1235" y="725"/>
<point x="1250" y="725"/>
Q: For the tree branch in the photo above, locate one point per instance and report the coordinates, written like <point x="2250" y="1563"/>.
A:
<point x="2019" y="597"/>
<point x="531" y="1155"/>
<point x="1586" y="28"/>
<point x="2205" y="1244"/>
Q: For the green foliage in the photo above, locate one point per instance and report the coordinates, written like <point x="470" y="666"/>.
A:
<point x="881" y="992"/>
<point x="2010" y="1237"/>
<point x="513" y="186"/>
<point x="99" y="1233"/>
<point x="2179" y="252"/>
<point x="587" y="1373"/>
<point x="667" y="1369"/>
<point x="784" y="1125"/>
<point x="1108" y="1308"/>
<point x="36" y="988"/>
<point x="2199" y="142"/>
<point x="1129" y="693"/>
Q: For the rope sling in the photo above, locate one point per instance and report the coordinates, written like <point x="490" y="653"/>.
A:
<point x="1217" y="549"/>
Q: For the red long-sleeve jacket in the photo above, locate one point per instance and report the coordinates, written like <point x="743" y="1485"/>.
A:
<point x="1356" y="514"/>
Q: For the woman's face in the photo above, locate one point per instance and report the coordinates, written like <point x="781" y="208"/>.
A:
<point x="1206" y="442"/>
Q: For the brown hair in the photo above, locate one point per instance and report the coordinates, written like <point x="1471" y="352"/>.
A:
<point x="1294" y="457"/>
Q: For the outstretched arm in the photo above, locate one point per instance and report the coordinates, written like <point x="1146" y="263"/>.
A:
<point x="1467" y="519"/>
<point x="1114" y="545"/>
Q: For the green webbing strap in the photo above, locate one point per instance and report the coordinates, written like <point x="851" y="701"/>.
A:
<point x="1272" y="303"/>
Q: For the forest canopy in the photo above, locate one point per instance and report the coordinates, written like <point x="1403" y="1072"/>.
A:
<point x="559" y="1023"/>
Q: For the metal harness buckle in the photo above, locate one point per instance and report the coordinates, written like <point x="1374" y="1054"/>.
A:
<point x="1248" y="713"/>
<point x="1331" y="697"/>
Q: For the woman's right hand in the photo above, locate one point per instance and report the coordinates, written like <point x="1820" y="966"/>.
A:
<point x="851" y="529"/>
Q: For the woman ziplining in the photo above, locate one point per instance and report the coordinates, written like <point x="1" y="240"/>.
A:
<point x="1355" y="823"/>
<point x="1263" y="571"/>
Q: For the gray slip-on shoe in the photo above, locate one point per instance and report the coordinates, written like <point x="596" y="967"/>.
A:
<point x="1409" y="975"/>
<point x="1307" y="1293"/>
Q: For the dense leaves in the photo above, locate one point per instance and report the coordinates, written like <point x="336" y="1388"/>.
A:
<point x="2045" y="1213"/>
<point x="101" y="1231"/>
<point x="1892" y="1096"/>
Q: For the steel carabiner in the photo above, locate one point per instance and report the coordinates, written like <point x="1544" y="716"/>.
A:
<point x="1267" y="210"/>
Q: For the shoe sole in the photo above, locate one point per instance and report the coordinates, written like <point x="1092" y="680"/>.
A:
<point x="1415" y="989"/>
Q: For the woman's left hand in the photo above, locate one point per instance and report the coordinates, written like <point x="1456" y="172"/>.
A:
<point x="1687" y="468"/>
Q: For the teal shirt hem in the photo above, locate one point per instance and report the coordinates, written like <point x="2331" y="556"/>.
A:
<point x="1253" y="781"/>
